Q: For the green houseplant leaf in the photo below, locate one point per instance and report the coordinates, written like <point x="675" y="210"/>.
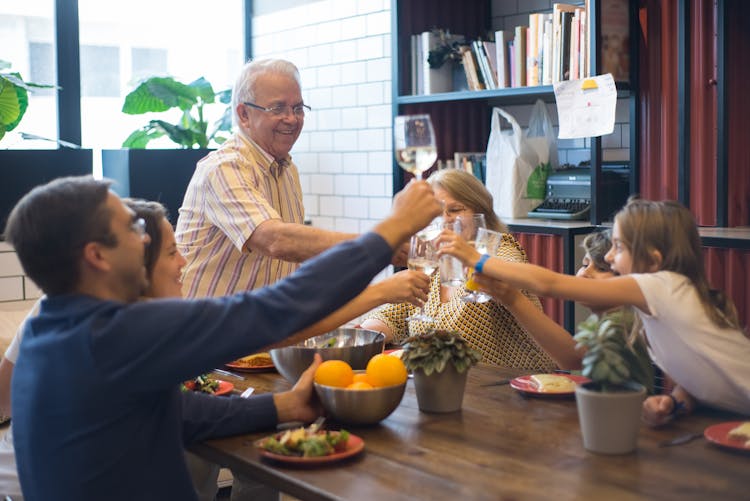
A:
<point x="611" y="360"/>
<point x="159" y="94"/>
<point x="14" y="98"/>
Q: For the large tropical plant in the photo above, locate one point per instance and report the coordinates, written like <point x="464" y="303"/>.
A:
<point x="159" y="94"/>
<point x="14" y="97"/>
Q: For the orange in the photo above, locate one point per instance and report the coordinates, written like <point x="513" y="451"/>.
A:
<point x="361" y="378"/>
<point x="334" y="373"/>
<point x="359" y="385"/>
<point x="385" y="370"/>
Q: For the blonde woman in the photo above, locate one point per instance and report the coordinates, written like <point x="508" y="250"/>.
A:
<point x="488" y="327"/>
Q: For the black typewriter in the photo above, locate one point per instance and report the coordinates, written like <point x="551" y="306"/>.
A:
<point x="569" y="193"/>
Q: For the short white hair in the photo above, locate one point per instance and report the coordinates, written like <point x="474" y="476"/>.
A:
<point x="244" y="87"/>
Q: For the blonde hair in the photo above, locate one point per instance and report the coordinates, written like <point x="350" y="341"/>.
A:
<point x="669" y="228"/>
<point x="470" y="191"/>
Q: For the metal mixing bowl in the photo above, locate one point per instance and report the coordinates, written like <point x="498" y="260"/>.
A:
<point x="354" y="346"/>
<point x="360" y="407"/>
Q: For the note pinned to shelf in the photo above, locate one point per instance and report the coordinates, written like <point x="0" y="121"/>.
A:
<point x="586" y="108"/>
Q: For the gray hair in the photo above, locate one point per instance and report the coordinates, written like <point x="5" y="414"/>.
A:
<point x="244" y="87"/>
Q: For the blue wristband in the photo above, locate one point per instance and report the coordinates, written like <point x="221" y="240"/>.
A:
<point x="480" y="264"/>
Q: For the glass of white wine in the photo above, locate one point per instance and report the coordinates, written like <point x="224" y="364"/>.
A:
<point x="422" y="257"/>
<point x="414" y="143"/>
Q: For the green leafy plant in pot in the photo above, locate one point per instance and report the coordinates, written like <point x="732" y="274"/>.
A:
<point x="609" y="407"/>
<point x="14" y="97"/>
<point x="159" y="94"/>
<point x="440" y="361"/>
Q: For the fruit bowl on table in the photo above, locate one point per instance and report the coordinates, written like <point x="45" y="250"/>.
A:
<point x="360" y="407"/>
<point x="354" y="346"/>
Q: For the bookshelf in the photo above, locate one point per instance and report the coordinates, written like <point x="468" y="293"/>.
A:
<point x="462" y="118"/>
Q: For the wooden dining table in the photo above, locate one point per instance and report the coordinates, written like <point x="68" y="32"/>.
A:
<point x="502" y="445"/>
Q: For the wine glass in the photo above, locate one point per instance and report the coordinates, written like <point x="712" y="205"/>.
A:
<point x="414" y="143"/>
<point x="422" y="257"/>
<point x="487" y="242"/>
<point x="470" y="225"/>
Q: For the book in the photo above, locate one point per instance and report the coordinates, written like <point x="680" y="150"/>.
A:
<point x="519" y="46"/>
<point x="547" y="51"/>
<point x="484" y="66"/>
<point x="502" y="39"/>
<point x="532" y="51"/>
<point x="491" y="52"/>
<point x="470" y="68"/>
<point x="557" y="39"/>
<point x="615" y="46"/>
<point x="575" y="26"/>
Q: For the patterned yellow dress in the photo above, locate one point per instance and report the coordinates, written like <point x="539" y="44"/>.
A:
<point x="488" y="327"/>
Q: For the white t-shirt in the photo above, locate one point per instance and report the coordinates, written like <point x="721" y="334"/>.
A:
<point x="710" y="363"/>
<point x="9" y="484"/>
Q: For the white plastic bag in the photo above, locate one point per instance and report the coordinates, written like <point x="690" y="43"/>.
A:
<point x="541" y="137"/>
<point x="510" y="162"/>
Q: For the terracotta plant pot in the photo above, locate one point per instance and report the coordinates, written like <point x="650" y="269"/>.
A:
<point x="610" y="420"/>
<point x="440" y="391"/>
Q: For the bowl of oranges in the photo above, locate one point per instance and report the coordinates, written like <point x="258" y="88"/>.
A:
<point x="353" y="346"/>
<point x="361" y="397"/>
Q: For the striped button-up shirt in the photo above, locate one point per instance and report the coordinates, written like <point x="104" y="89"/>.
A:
<point x="233" y="190"/>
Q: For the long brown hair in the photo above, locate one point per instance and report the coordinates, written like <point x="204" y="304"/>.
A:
<point x="669" y="228"/>
<point x="470" y="191"/>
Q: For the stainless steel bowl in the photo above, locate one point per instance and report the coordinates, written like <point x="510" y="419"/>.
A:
<point x="360" y="407"/>
<point x="354" y="346"/>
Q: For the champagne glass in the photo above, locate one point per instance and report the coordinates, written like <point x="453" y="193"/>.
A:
<point x="414" y="143"/>
<point x="470" y="225"/>
<point x="422" y="257"/>
<point x="487" y="242"/>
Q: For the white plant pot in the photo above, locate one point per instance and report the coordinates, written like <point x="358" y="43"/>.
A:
<point x="610" y="421"/>
<point x="440" y="391"/>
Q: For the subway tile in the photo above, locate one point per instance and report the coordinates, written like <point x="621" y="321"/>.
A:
<point x="379" y="70"/>
<point x="329" y="119"/>
<point x="347" y="225"/>
<point x="321" y="141"/>
<point x="345" y="140"/>
<point x="318" y="99"/>
<point x="325" y="223"/>
<point x="345" y="95"/>
<point x="320" y="55"/>
<point x="379" y="207"/>
<point x="11" y="289"/>
<point x="329" y="32"/>
<point x="344" y="8"/>
<point x="329" y="76"/>
<point x="370" y="93"/>
<point x="30" y="289"/>
<point x="305" y="162"/>
<point x="346" y="185"/>
<point x="331" y="206"/>
<point x="374" y="186"/>
<point x="310" y="203"/>
<point x="354" y="162"/>
<point x="379" y="116"/>
<point x="303" y="143"/>
<point x="321" y="184"/>
<point x="356" y="207"/>
<point x="379" y="23"/>
<point x="612" y="140"/>
<point x="371" y="139"/>
<point x="344" y="52"/>
<point x="309" y="78"/>
<point x="367" y="6"/>
<point x="370" y="48"/>
<point x="10" y="265"/>
<point x="353" y="73"/>
<point x="380" y="162"/>
<point x="330" y="162"/>
<point x="353" y="27"/>
<point x="354" y="118"/>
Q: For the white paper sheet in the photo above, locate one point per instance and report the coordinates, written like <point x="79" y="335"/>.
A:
<point x="586" y="108"/>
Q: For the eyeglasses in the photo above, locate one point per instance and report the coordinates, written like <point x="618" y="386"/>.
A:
<point x="282" y="109"/>
<point x="139" y="226"/>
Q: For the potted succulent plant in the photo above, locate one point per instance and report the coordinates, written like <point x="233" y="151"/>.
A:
<point x="163" y="174"/>
<point x="440" y="361"/>
<point x="609" y="407"/>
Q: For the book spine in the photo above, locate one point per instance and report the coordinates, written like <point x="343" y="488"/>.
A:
<point x="520" y="60"/>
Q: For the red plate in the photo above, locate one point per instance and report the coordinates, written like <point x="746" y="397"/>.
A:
<point x="526" y="386"/>
<point x="224" y="387"/>
<point x="719" y="434"/>
<point x="245" y="368"/>
<point x="354" y="446"/>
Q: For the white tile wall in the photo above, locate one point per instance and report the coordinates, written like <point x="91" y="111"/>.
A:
<point x="14" y="286"/>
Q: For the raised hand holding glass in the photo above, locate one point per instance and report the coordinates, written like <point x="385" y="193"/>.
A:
<point x="487" y="242"/>
<point x="422" y="257"/>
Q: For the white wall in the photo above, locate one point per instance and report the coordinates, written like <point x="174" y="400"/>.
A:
<point x="342" y="48"/>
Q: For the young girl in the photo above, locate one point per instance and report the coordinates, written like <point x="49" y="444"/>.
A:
<point x="692" y="331"/>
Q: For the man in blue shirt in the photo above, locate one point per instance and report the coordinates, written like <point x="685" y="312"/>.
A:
<point x="97" y="409"/>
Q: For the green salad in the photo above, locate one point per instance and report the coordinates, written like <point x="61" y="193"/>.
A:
<point x="306" y="443"/>
<point x="202" y="383"/>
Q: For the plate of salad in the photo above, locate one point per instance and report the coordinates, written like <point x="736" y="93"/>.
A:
<point x="310" y="446"/>
<point x="209" y="385"/>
